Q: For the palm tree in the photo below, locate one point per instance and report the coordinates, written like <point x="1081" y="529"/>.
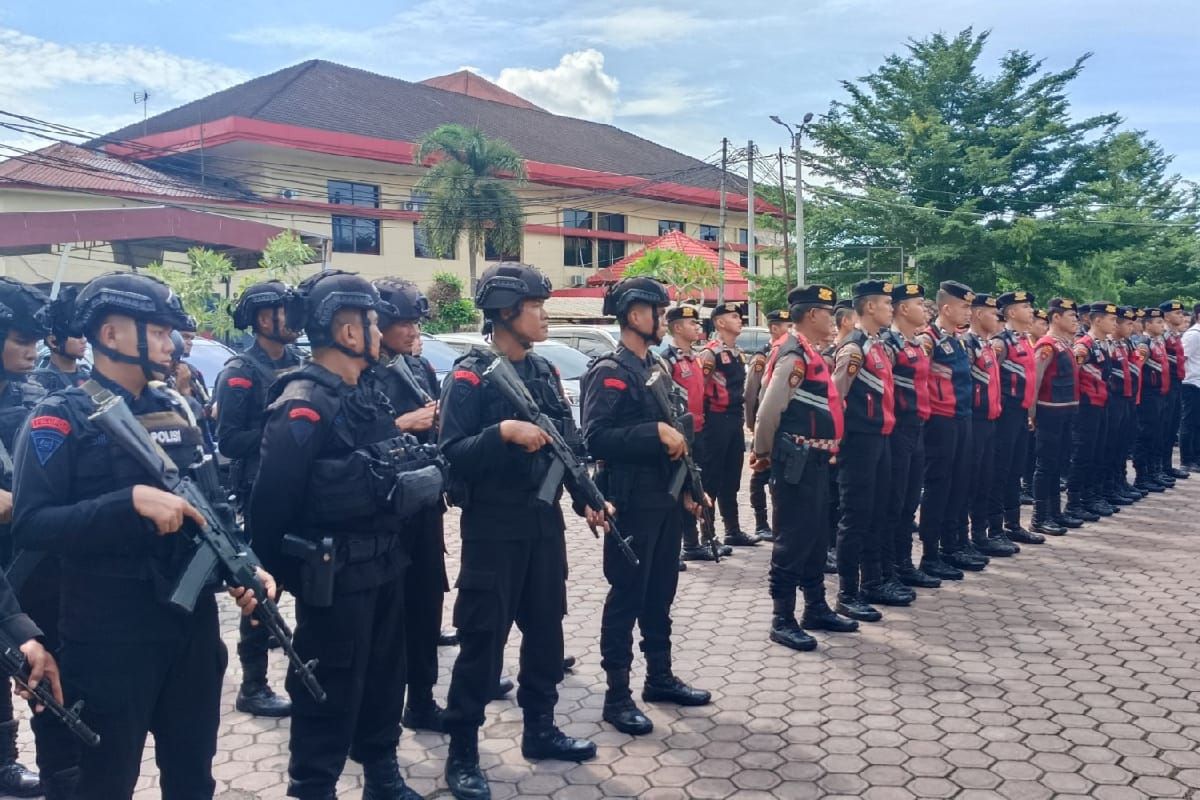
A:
<point x="469" y="189"/>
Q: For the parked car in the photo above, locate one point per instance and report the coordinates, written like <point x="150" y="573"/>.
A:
<point x="570" y="363"/>
<point x="591" y="340"/>
<point x="753" y="339"/>
<point x="439" y="354"/>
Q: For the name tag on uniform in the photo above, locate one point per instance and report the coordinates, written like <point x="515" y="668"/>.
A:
<point x="948" y="348"/>
<point x="725" y="359"/>
<point x="167" y="436"/>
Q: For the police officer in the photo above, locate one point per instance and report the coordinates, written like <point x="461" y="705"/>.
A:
<point x="862" y="372"/>
<point x="844" y="321"/>
<point x="1156" y="382"/>
<point x="779" y="323"/>
<point x="411" y="386"/>
<point x="1175" y="322"/>
<point x="910" y="375"/>
<point x="65" y="366"/>
<point x="639" y="450"/>
<point x="139" y="665"/>
<point x="985" y="407"/>
<point x="1039" y="328"/>
<point x="1054" y="413"/>
<point x="1018" y="370"/>
<point x="22" y="324"/>
<point x="799" y="424"/>
<point x="328" y="510"/>
<point x="1120" y="412"/>
<point x="514" y="553"/>
<point x="241" y="414"/>
<point x="1090" y="431"/>
<point x="1138" y="350"/>
<point x="947" y="436"/>
<point x="724" y="442"/>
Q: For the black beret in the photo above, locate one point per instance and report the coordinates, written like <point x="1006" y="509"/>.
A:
<point x="959" y="290"/>
<point x="1084" y="308"/>
<point x="983" y="301"/>
<point x="1127" y="312"/>
<point x="1041" y="313"/>
<point x="1103" y="307"/>
<point x="906" y="291"/>
<point x="728" y="308"/>
<point x="1154" y="313"/>
<point x="1170" y="305"/>
<point x="683" y="312"/>
<point x="1061" y="304"/>
<point x="871" y="289"/>
<point x="812" y="295"/>
<point x="1012" y="298"/>
<point x="779" y="315"/>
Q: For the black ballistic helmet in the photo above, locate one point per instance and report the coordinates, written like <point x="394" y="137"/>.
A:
<point x="270" y="294"/>
<point x="27" y="307"/>
<point x="144" y="299"/>
<point x="59" y="315"/>
<point x="624" y="293"/>
<point x="405" y="299"/>
<point x="505" y="284"/>
<point x="327" y="293"/>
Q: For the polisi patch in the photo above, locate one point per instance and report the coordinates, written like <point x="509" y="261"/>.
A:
<point x="239" y="383"/>
<point x="171" y="436"/>
<point x="302" y="422"/>
<point x="47" y="434"/>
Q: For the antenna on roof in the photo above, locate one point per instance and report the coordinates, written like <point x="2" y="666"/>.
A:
<point x="143" y="99"/>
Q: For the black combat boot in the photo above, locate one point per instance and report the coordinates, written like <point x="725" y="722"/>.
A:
<point x="61" y="785"/>
<point x="568" y="663"/>
<point x="619" y="708"/>
<point x="421" y="711"/>
<point x="851" y="603"/>
<point x="1077" y="508"/>
<point x="15" y="779"/>
<point x="909" y="575"/>
<point x="1064" y="519"/>
<point x="964" y="560"/>
<point x="463" y="775"/>
<point x="878" y="589"/>
<point x="662" y="686"/>
<point x="1043" y="521"/>
<point x="448" y="639"/>
<point x="784" y="628"/>
<point x="382" y="781"/>
<point x="762" y="528"/>
<point x="997" y="532"/>
<point x="1095" y="504"/>
<point x="1018" y="534"/>
<point x="543" y="740"/>
<point x="697" y="553"/>
<point x="1145" y="482"/>
<point x="255" y="695"/>
<point x="503" y="688"/>
<point x="818" y="616"/>
<point x="739" y="538"/>
<point x="989" y="546"/>
<point x="1176" y="472"/>
<point x="1165" y="478"/>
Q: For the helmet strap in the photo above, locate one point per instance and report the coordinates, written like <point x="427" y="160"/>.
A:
<point x="150" y="369"/>
<point x="365" y="355"/>
<point x="518" y="338"/>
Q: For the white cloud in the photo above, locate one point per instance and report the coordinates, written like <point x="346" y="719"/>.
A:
<point x="628" y="28"/>
<point x="578" y="86"/>
<point x="669" y="98"/>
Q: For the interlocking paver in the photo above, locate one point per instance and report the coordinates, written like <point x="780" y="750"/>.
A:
<point x="1068" y="671"/>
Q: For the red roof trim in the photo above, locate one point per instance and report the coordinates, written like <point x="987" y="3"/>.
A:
<point x="242" y="129"/>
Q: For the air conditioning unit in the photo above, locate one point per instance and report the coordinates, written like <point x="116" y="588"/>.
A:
<point x="578" y="280"/>
<point x="409" y="205"/>
<point x="289" y="194"/>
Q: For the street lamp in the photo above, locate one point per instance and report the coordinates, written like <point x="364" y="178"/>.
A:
<point x="797" y="133"/>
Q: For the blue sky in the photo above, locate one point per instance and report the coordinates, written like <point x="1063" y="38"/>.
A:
<point x="683" y="74"/>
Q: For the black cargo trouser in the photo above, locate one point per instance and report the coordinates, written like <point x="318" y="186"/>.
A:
<point x="1189" y="426"/>
<point x="171" y="689"/>
<point x="1012" y="439"/>
<point x="1053" y="443"/>
<point x="253" y="640"/>
<point x="641" y="594"/>
<point x="907" y="448"/>
<point x="758" y="496"/>
<point x="1116" y="441"/>
<point x="358" y="641"/>
<point x="501" y="582"/>
<point x="983" y="465"/>
<point x="1087" y="449"/>
<point x="947" y="449"/>
<point x="425" y="588"/>
<point x="1147" y="452"/>
<point x="1172" y="415"/>
<point x="691" y="526"/>
<point x="801" y="536"/>
<point x="724" y="453"/>
<point x="864" y="471"/>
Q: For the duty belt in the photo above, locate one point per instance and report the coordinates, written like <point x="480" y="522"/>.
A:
<point x="828" y="445"/>
<point x="366" y="548"/>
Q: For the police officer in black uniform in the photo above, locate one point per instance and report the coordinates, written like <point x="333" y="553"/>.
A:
<point x="779" y="323"/>
<point x="412" y="388"/>
<point x="639" y="452"/>
<point x="65" y="365"/>
<point x="241" y="413"/>
<point x="140" y="665"/>
<point x="335" y="486"/>
<point x="514" y="557"/>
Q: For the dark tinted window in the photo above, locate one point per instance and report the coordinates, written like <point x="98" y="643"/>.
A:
<point x="709" y="233"/>
<point x="667" y="225"/>
<point x="577" y="251"/>
<point x="574" y="218"/>
<point x="354" y="234"/>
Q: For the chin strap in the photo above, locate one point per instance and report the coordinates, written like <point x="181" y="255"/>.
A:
<point x="499" y="322"/>
<point x="365" y="355"/>
<point x="151" y="370"/>
<point x="651" y="338"/>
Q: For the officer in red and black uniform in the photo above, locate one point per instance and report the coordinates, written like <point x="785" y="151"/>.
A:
<point x="947" y="435"/>
<point x="1090" y="431"/>
<point x="797" y="431"/>
<point x="779" y="324"/>
<point x="1039" y="328"/>
<point x="1057" y="402"/>
<point x="1014" y="352"/>
<point x="1173" y="320"/>
<point x="862" y="371"/>
<point x="1156" y="384"/>
<point x="1139" y="351"/>
<point x="724" y="446"/>
<point x="910" y="375"/>
<point x="1120" y="412"/>
<point x="985" y="407"/>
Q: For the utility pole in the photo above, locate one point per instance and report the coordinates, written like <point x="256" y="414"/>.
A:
<point x="721" y="223"/>
<point x="751" y="256"/>
<point x="783" y="201"/>
<point x="801" y="266"/>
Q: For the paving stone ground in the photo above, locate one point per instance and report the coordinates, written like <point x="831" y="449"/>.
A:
<point x="1069" y="671"/>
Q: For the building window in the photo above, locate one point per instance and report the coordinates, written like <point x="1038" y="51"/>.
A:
<point x="710" y="233"/>
<point x="417" y="201"/>
<point x="577" y="251"/>
<point x="610" y="252"/>
<point x="354" y="234"/>
<point x="422" y="248"/>
<point x="492" y="253"/>
<point x="668" y="225"/>
<point x="613" y="223"/>
<point x="744" y="256"/>
<point x="574" y="218"/>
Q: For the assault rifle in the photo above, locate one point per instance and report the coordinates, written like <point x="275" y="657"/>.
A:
<point x="681" y="421"/>
<point x="13" y="664"/>
<point x="563" y="461"/>
<point x="218" y="544"/>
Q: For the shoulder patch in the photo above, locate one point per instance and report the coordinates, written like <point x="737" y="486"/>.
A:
<point x="239" y="383"/>
<point x="302" y="412"/>
<point x="51" y="423"/>
<point x="302" y="421"/>
<point x="615" y="383"/>
<point x="759" y="364"/>
<point x="467" y="376"/>
<point x="1045" y="352"/>
<point x="797" y="374"/>
<point x="47" y="434"/>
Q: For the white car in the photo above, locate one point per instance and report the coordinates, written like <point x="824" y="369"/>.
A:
<point x="571" y="363"/>
<point x="591" y="340"/>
